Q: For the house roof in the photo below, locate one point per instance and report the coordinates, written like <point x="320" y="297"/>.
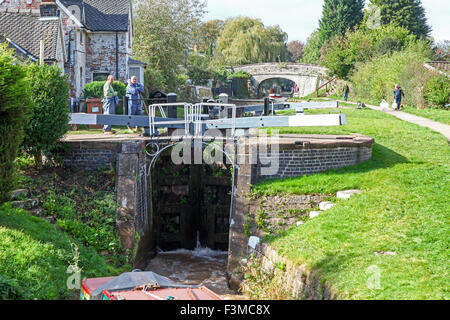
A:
<point x="26" y="30"/>
<point x="103" y="15"/>
<point x="137" y="62"/>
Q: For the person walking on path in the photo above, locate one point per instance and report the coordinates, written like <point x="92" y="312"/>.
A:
<point x="398" y="95"/>
<point x="134" y="90"/>
<point x="346" y="92"/>
<point x="110" y="100"/>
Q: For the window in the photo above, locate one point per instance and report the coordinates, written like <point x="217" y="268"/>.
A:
<point x="135" y="71"/>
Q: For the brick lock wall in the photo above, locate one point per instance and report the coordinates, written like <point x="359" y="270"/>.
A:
<point x="90" y="155"/>
<point x="294" y="163"/>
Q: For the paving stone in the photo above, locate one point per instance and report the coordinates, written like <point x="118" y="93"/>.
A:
<point x="323" y="206"/>
<point x="314" y="214"/>
<point x="26" y="204"/>
<point x="347" y="194"/>
<point x="19" y="194"/>
<point x="253" y="242"/>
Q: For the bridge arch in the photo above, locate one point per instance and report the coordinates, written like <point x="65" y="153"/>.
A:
<point x="307" y="77"/>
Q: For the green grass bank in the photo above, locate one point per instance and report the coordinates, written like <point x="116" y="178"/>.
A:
<point x="404" y="209"/>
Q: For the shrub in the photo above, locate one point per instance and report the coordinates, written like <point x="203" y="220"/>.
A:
<point x="375" y="80"/>
<point x="14" y="104"/>
<point x="342" y="54"/>
<point x="49" y="120"/>
<point x="437" y="92"/>
<point x="94" y="89"/>
<point x="10" y="290"/>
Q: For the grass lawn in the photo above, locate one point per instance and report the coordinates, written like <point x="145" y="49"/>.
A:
<point x="35" y="255"/>
<point x="404" y="209"/>
<point x="439" y="115"/>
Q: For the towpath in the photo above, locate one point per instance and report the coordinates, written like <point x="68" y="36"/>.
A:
<point x="442" y="128"/>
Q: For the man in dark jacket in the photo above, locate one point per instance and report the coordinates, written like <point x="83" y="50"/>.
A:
<point x="134" y="90"/>
<point x="398" y="95"/>
<point x="346" y="92"/>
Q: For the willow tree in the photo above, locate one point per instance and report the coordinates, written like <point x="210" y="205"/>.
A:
<point x="245" y="40"/>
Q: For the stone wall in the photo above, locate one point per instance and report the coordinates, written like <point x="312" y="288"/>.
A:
<point x="101" y="55"/>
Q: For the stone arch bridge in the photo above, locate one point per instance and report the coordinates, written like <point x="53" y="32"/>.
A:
<point x="307" y="77"/>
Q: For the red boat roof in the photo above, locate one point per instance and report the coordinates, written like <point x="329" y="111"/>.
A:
<point x="92" y="284"/>
<point x="184" y="294"/>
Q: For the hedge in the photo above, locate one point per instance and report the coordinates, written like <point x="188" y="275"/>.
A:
<point x="14" y="104"/>
<point x="49" y="120"/>
<point x="94" y="89"/>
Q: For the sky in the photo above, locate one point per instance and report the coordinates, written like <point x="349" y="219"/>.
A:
<point x="299" y="18"/>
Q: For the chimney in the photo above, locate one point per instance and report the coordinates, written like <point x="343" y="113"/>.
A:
<point x="49" y="8"/>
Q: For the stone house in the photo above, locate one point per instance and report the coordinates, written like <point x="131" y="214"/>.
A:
<point x="94" y="38"/>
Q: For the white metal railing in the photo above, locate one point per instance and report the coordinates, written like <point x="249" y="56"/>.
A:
<point x="192" y="115"/>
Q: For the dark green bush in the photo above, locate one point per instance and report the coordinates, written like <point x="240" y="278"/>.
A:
<point x="14" y="103"/>
<point x="10" y="290"/>
<point x="437" y="92"/>
<point x="94" y="89"/>
<point x="49" y="120"/>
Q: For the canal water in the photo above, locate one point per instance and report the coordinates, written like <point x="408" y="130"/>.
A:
<point x="201" y="266"/>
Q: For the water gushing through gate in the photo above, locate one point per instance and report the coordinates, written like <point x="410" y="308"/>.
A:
<point x="201" y="266"/>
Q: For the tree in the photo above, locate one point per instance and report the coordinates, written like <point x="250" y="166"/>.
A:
<point x="14" y="104"/>
<point x="311" y="49"/>
<point x="49" y="121"/>
<point x="295" y="50"/>
<point x="198" y="69"/>
<point x="245" y="40"/>
<point x="341" y="54"/>
<point x="338" y="16"/>
<point x="409" y="14"/>
<point x="442" y="50"/>
<point x="206" y="36"/>
<point x="163" y="36"/>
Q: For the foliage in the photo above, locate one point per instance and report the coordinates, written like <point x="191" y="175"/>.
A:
<point x="342" y="54"/>
<point x="164" y="32"/>
<point x="10" y="290"/>
<point x="198" y="69"/>
<point x="295" y="50"/>
<point x="94" y="225"/>
<point x="206" y="36"/>
<point x="94" y="89"/>
<point x="260" y="284"/>
<point x="338" y="16"/>
<point x="409" y="14"/>
<point x="244" y="40"/>
<point x="14" y="105"/>
<point x="49" y="120"/>
<point x="375" y="80"/>
<point x="437" y="92"/>
<point x="240" y="74"/>
<point x="37" y="255"/>
<point x="311" y="50"/>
